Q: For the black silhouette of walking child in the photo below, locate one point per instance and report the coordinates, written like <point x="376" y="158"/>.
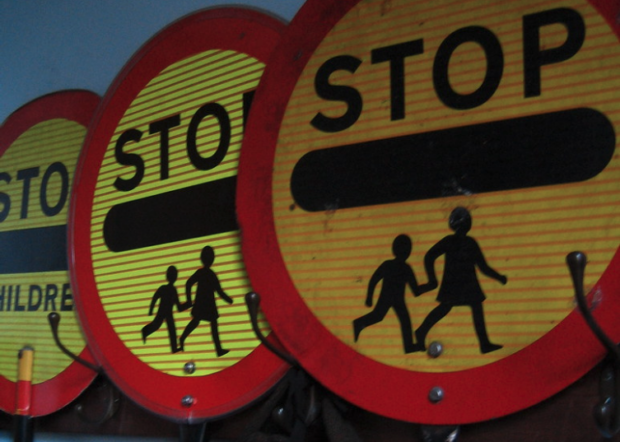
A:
<point x="396" y="275"/>
<point x="459" y="285"/>
<point x="204" y="307"/>
<point x="168" y="298"/>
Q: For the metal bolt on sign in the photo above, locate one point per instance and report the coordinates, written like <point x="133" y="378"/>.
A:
<point x="436" y="395"/>
<point x="189" y="367"/>
<point x="435" y="349"/>
<point x="187" y="401"/>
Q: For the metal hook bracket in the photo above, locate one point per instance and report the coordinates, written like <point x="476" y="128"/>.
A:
<point x="193" y="432"/>
<point x="54" y="320"/>
<point x="112" y="396"/>
<point x="607" y="411"/>
<point x="336" y="427"/>
<point x="440" y="433"/>
<point x="111" y="401"/>
<point x="252" y="300"/>
<point x="303" y="404"/>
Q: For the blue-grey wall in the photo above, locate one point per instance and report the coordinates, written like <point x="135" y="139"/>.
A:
<point x="47" y="46"/>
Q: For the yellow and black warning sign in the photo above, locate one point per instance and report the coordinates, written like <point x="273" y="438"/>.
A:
<point x="160" y="275"/>
<point x="41" y="144"/>
<point x="431" y="167"/>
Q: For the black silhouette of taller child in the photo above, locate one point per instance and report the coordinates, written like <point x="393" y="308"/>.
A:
<point x="167" y="296"/>
<point x="459" y="285"/>
<point x="204" y="307"/>
<point x="396" y="275"/>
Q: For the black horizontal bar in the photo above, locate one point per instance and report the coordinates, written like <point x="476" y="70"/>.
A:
<point x="539" y="150"/>
<point x="43" y="249"/>
<point x="187" y="213"/>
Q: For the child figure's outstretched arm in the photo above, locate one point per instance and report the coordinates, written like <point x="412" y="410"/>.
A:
<point x="429" y="265"/>
<point x="487" y="269"/>
<point x="220" y="291"/>
<point x="413" y="284"/>
<point x="177" y="302"/>
<point x="188" y="286"/>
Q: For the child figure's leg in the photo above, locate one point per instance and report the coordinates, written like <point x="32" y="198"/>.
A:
<point x="216" y="339"/>
<point x="436" y="315"/>
<point x="375" y="316"/>
<point x="486" y="346"/>
<point x="405" y="327"/>
<point x="172" y="333"/>
<point x="188" y="329"/>
<point x="152" y="327"/>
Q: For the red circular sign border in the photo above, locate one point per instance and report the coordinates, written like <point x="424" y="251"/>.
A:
<point x="570" y="348"/>
<point x="73" y="105"/>
<point x="241" y="29"/>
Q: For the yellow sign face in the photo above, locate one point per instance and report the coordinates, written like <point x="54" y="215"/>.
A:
<point x="432" y="90"/>
<point x="36" y="172"/>
<point x="171" y="288"/>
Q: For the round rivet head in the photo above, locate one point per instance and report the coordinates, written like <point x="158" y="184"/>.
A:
<point x="435" y="349"/>
<point x="187" y="401"/>
<point x="189" y="367"/>
<point x="436" y="395"/>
